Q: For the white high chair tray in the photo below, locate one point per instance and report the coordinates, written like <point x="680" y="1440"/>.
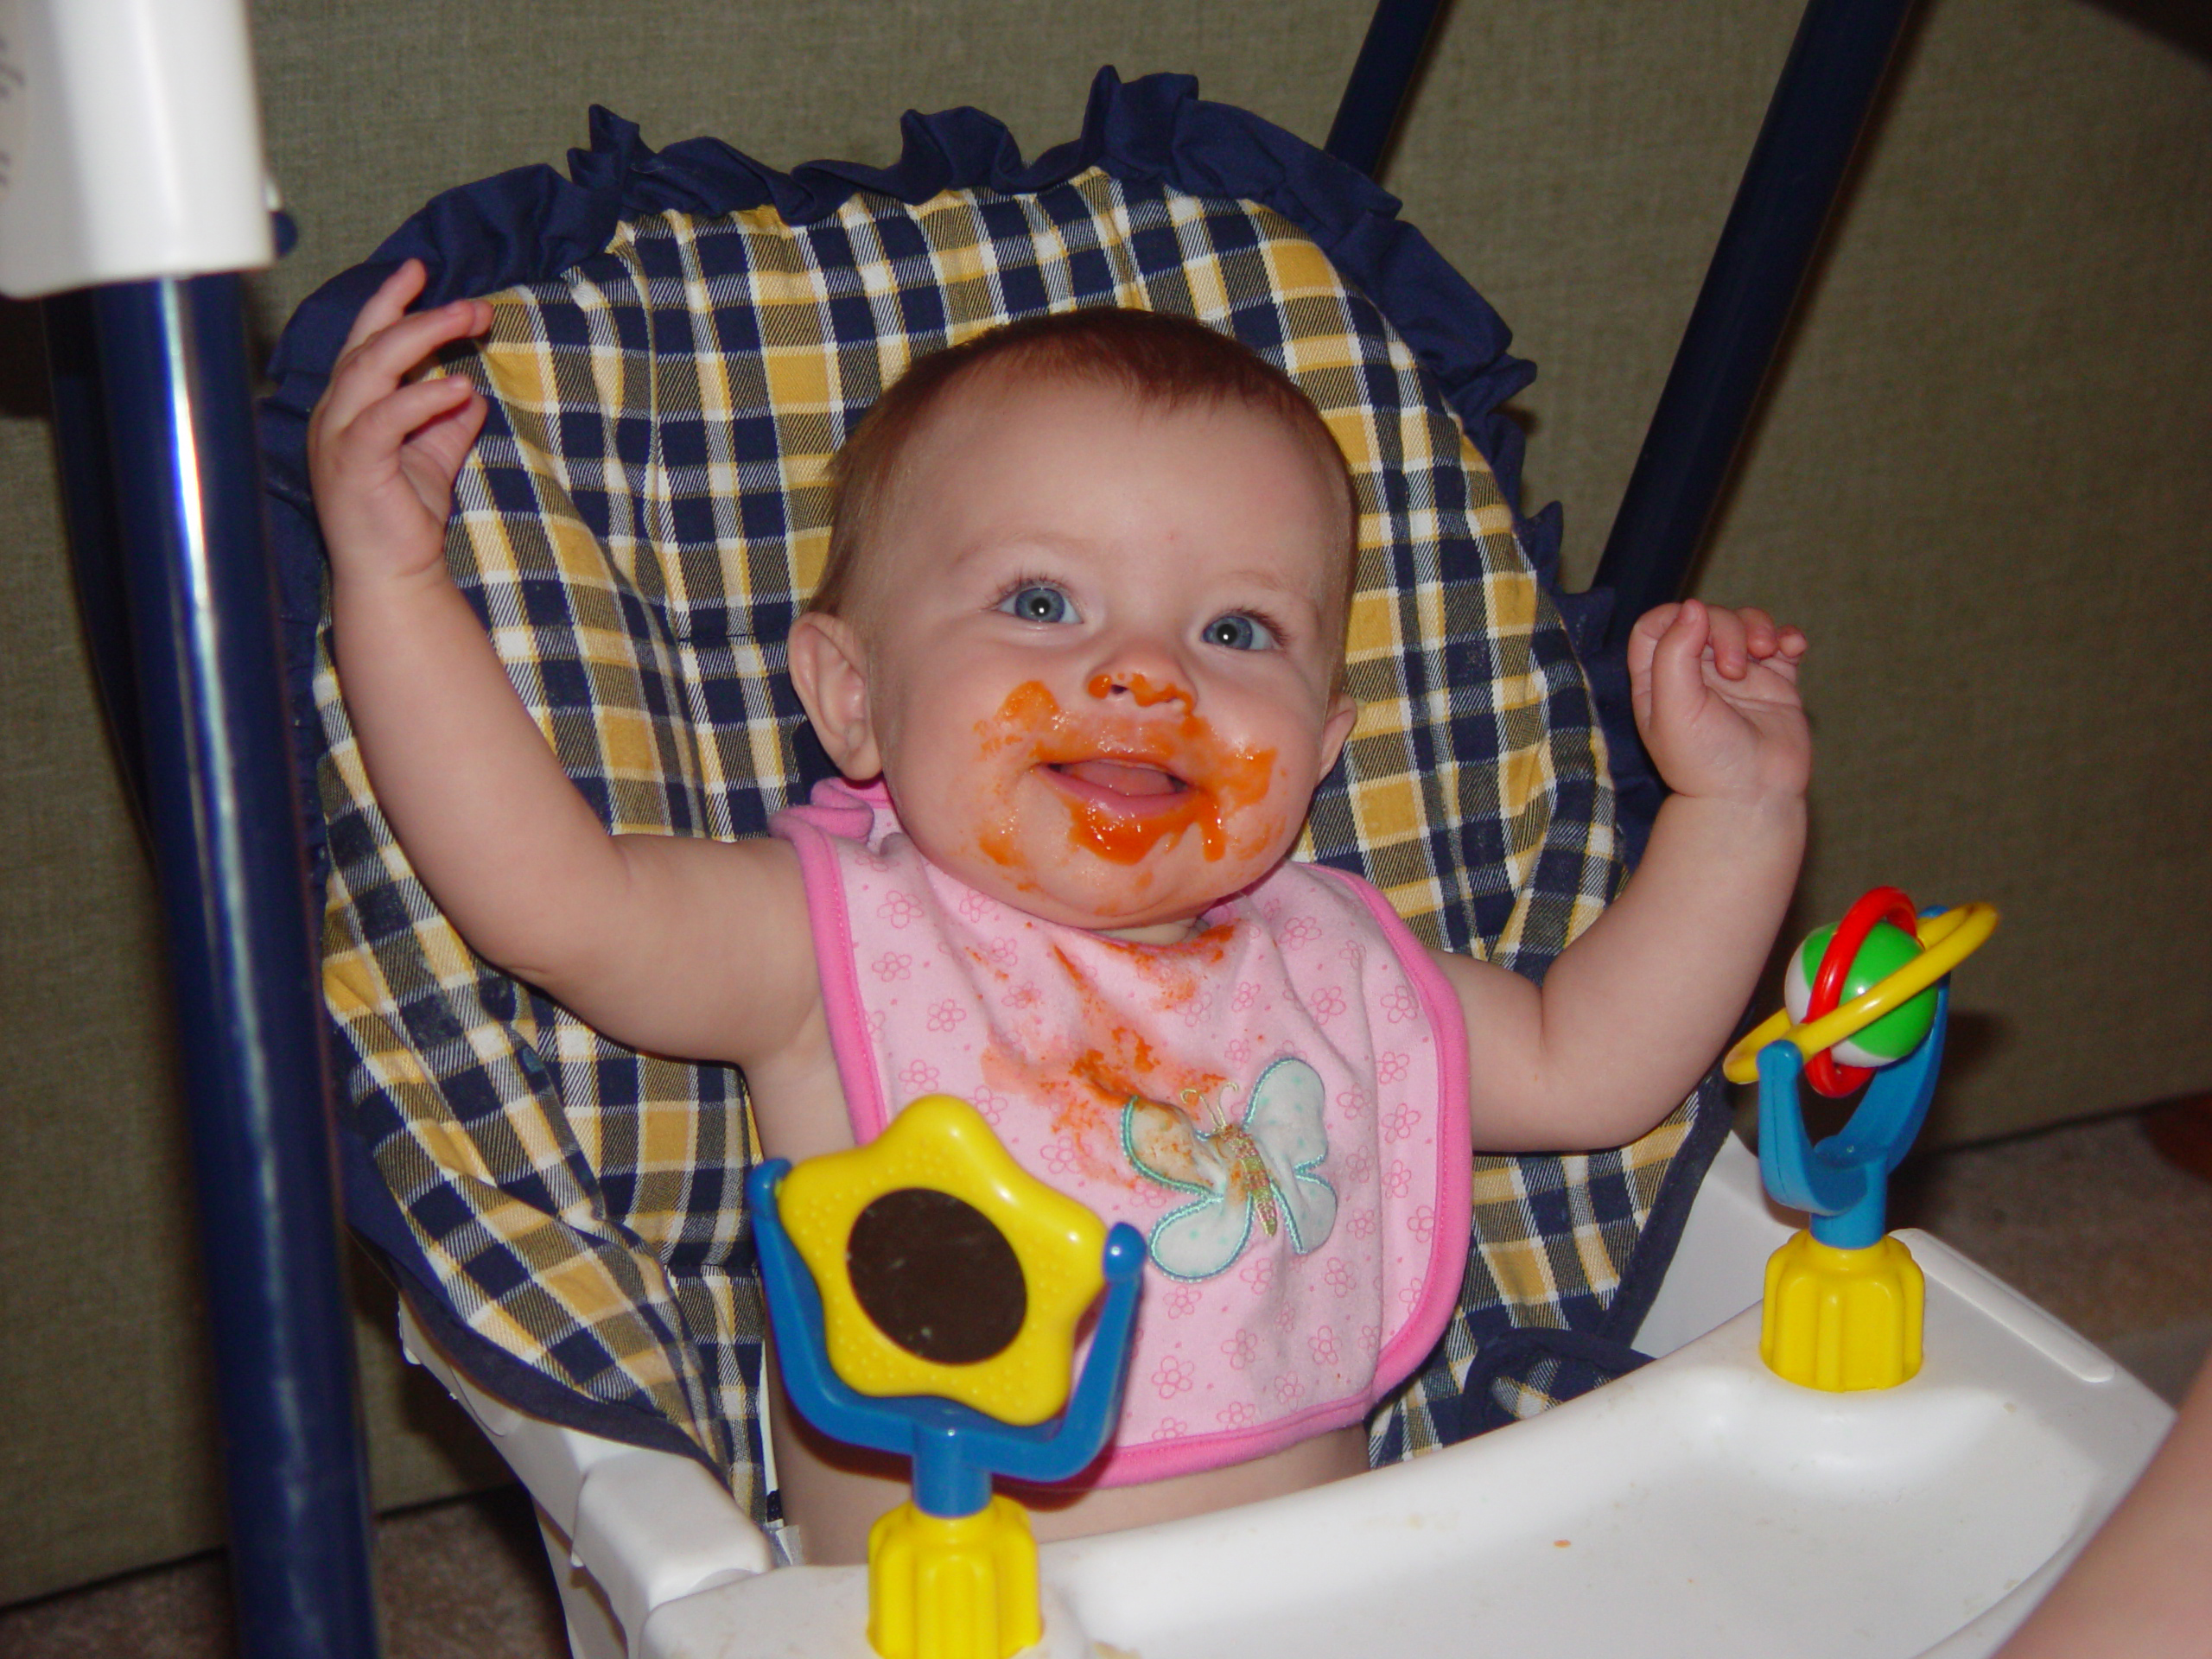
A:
<point x="1698" y="1506"/>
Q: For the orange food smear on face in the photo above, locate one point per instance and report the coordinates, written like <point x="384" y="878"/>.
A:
<point x="1220" y="782"/>
<point x="1139" y="688"/>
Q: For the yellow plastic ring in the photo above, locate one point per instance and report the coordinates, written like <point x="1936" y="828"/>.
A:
<point x="1947" y="940"/>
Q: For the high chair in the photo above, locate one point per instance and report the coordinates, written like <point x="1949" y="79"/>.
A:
<point x="681" y="339"/>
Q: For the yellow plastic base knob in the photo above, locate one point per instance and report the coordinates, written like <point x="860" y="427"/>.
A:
<point x="964" y="1587"/>
<point x="1842" y="1320"/>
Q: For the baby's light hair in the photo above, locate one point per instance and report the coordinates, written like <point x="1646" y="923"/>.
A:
<point x="1160" y="360"/>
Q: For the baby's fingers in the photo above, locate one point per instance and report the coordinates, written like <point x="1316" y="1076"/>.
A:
<point x="1730" y="641"/>
<point x="384" y="359"/>
<point x="1675" y="682"/>
<point x="388" y="304"/>
<point x="1645" y="638"/>
<point x="383" y="427"/>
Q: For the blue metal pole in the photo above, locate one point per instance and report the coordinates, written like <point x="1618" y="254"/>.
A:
<point x="1374" y="98"/>
<point x="1812" y="126"/>
<point x="169" y="358"/>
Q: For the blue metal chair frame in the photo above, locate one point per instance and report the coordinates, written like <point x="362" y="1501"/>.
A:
<point x="162" y="483"/>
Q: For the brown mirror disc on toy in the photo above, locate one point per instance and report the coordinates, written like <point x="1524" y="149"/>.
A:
<point x="937" y="1276"/>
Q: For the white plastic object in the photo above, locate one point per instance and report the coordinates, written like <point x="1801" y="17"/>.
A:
<point x="1719" y="1267"/>
<point x="627" y="1528"/>
<point x="1699" y="1506"/>
<point x="129" y="144"/>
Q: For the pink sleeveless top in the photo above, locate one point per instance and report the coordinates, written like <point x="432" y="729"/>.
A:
<point x="1279" y="1105"/>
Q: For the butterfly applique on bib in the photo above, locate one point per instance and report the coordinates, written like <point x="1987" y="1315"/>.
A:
<point x="1260" y="1168"/>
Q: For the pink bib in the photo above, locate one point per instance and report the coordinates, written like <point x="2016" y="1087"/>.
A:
<point x="1278" y="1104"/>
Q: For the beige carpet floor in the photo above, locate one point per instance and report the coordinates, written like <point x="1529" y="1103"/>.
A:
<point x="2087" y="1219"/>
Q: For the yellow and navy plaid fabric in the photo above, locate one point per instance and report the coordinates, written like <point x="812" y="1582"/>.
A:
<point x="642" y="518"/>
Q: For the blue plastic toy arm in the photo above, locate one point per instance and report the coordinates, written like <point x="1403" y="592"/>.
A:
<point x="823" y="1397"/>
<point x="1067" y="1446"/>
<point x="1843" y="1181"/>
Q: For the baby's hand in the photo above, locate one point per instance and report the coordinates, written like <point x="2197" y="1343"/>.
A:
<point x="383" y="450"/>
<point x="1716" y="701"/>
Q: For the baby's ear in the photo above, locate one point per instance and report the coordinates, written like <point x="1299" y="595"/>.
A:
<point x="830" y="672"/>
<point x="1344" y="714"/>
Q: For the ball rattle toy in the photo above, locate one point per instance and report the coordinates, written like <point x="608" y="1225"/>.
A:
<point x="1866" y="1003"/>
<point x="1825" y="971"/>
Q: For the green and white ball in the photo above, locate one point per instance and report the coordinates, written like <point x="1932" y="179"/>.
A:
<point x="1898" y="1032"/>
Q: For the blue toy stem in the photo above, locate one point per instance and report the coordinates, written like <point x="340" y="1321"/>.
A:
<point x="1843" y="1182"/>
<point x="955" y="1448"/>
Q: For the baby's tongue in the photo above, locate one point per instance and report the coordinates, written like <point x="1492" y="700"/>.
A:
<point x="1123" y="779"/>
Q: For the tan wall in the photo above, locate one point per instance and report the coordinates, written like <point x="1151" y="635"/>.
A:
<point x="1980" y="484"/>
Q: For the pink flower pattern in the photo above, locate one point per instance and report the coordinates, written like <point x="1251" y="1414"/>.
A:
<point x="1058" y="1157"/>
<point x="1301" y="930"/>
<point x="900" y="909"/>
<point x="1399" y="1181"/>
<point x="1322" y="1345"/>
<point x="1245" y="995"/>
<point x="992" y="1105"/>
<point x="1238" y="1414"/>
<point x="893" y="964"/>
<point x="1182" y="1301"/>
<point x="973" y="906"/>
<point x="1423" y="1223"/>
<point x="918" y="1076"/>
<point x="1329" y="1002"/>
<point x="1400" y="1005"/>
<point x="944" y="1016"/>
<point x="1361" y="1223"/>
<point x="1393" y="1066"/>
<point x="1242" y="1348"/>
<point x="1338" y="1276"/>
<point x="1259" y="1273"/>
<point x="1174" y="1375"/>
<point x="1401" y="1125"/>
<point x="1171" y="1428"/>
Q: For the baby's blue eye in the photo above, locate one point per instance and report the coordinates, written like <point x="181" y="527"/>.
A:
<point x="1238" y="631"/>
<point x="1039" y="602"/>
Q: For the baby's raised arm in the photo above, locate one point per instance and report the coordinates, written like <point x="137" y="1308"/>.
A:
<point x="682" y="946"/>
<point x="1633" y="1013"/>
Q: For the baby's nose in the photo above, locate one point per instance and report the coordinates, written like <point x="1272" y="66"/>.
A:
<point x="1115" y="685"/>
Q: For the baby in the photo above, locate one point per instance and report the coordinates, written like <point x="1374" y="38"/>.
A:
<point x="1079" y="649"/>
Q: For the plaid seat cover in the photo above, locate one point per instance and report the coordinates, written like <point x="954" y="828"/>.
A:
<point x="636" y="527"/>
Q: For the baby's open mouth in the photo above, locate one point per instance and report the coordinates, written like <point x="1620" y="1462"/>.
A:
<point x="1127" y="785"/>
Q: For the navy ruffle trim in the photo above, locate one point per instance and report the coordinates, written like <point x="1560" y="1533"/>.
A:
<point x="531" y="223"/>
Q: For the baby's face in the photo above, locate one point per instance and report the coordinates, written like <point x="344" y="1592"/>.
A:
<point x="1100" y="641"/>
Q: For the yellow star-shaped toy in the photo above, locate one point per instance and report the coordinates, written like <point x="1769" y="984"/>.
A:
<point x="944" y="1267"/>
